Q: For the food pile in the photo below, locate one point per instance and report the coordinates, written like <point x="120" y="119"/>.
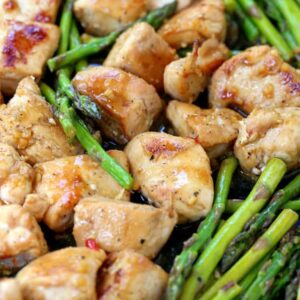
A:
<point x="149" y="149"/>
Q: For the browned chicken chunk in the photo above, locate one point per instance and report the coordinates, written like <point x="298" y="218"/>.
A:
<point x="154" y="4"/>
<point x="128" y="275"/>
<point x="21" y="239"/>
<point x="255" y="78"/>
<point x="186" y="78"/>
<point x="142" y="52"/>
<point x="214" y="129"/>
<point x="268" y="133"/>
<point x="128" y="103"/>
<point x="60" y="184"/>
<point x="203" y="20"/>
<point x="10" y="290"/>
<point x="172" y="172"/>
<point x="118" y="225"/>
<point x="100" y="17"/>
<point x="25" y="48"/>
<point x="67" y="274"/>
<point x="27" y="123"/>
<point x="44" y="11"/>
<point x="16" y="176"/>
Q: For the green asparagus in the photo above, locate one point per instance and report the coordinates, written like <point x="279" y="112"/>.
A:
<point x="213" y="253"/>
<point x="291" y="291"/>
<point x="183" y="262"/>
<point x="229" y="292"/>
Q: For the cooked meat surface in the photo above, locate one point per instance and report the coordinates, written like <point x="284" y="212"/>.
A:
<point x="16" y="176"/>
<point x="60" y="184"/>
<point x="203" y="20"/>
<point x="100" y="17"/>
<point x="43" y="11"/>
<point x="268" y="133"/>
<point x="21" y="239"/>
<point x="186" y="78"/>
<point x="214" y="129"/>
<point x="10" y="290"/>
<point x="154" y="4"/>
<point x="255" y="78"/>
<point x="24" y="50"/>
<point x="66" y="274"/>
<point x="118" y="225"/>
<point x="129" y="104"/>
<point x="129" y="275"/>
<point x="172" y="172"/>
<point x="142" y="52"/>
<point x="27" y="123"/>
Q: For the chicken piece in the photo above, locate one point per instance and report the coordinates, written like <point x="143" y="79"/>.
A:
<point x="142" y="52"/>
<point x="15" y="176"/>
<point x="203" y="20"/>
<point x="172" y="172"/>
<point x="10" y="290"/>
<point x="154" y="4"/>
<point x="21" y="239"/>
<point x="61" y="183"/>
<point x="268" y="133"/>
<point x="100" y="17"/>
<point x="118" y="225"/>
<point x="214" y="129"/>
<point x="25" y="48"/>
<point x="129" y="104"/>
<point x="186" y="78"/>
<point x="255" y="78"/>
<point x="44" y="11"/>
<point x="124" y="275"/>
<point x="66" y="274"/>
<point x="27" y="123"/>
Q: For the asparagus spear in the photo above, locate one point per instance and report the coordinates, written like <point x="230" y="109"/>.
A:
<point x="90" y="144"/>
<point x="243" y="240"/>
<point x="229" y="292"/>
<point x="213" y="253"/>
<point x="283" y="223"/>
<point x="267" y="28"/>
<point x="154" y="18"/>
<point x="263" y="283"/>
<point x="183" y="262"/>
<point x="291" y="290"/>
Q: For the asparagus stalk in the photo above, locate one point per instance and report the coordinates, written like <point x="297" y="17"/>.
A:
<point x="213" y="253"/>
<point x="243" y="240"/>
<point x="291" y="291"/>
<point x="263" y="283"/>
<point x="283" y="223"/>
<point x="228" y="292"/>
<point x="267" y="28"/>
<point x="183" y="262"/>
<point x="90" y="144"/>
<point x="154" y="18"/>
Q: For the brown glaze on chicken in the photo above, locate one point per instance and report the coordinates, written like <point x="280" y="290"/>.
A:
<point x="100" y="17"/>
<point x="66" y="274"/>
<point x="203" y="20"/>
<point x="129" y="275"/>
<point x="10" y="289"/>
<point x="154" y="4"/>
<point x="255" y="78"/>
<point x="60" y="184"/>
<point x="268" y="133"/>
<point x="214" y="129"/>
<point x="129" y="104"/>
<point x="142" y="52"/>
<point x="118" y="225"/>
<point x="27" y="123"/>
<point x="172" y="172"/>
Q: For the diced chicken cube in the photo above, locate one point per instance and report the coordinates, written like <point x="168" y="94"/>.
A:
<point x="60" y="184"/>
<point x="10" y="290"/>
<point x="142" y="52"/>
<point x="118" y="225"/>
<point x="44" y="11"/>
<point x="100" y="17"/>
<point x="129" y="104"/>
<point x="27" y="123"/>
<point x="124" y="276"/>
<point x="25" y="48"/>
<point x="154" y="4"/>
<point x="214" y="129"/>
<point x="66" y="274"/>
<point x="21" y="238"/>
<point x="203" y="20"/>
